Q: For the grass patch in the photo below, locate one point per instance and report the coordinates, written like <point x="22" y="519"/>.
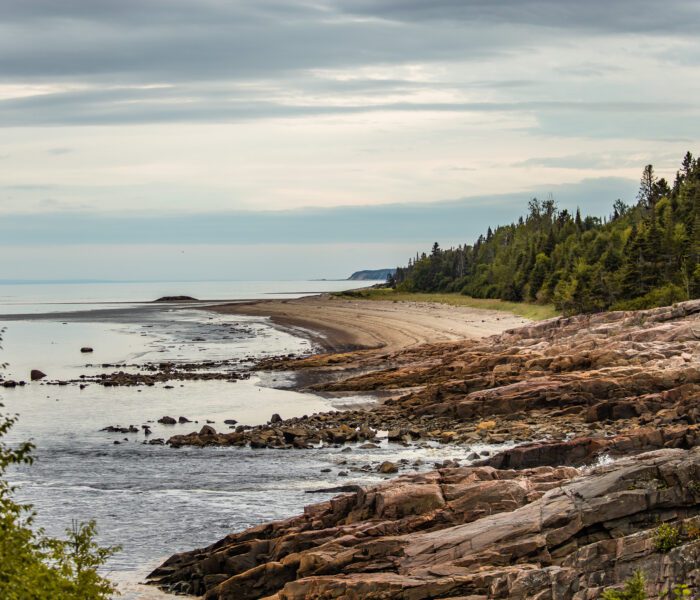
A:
<point x="536" y="312"/>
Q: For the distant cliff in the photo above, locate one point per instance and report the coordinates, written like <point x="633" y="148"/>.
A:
<point x="376" y="275"/>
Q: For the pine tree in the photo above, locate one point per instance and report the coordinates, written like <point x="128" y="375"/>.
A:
<point x="644" y="255"/>
<point x="645" y="196"/>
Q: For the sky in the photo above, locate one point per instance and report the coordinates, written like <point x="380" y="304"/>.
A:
<point x="203" y="138"/>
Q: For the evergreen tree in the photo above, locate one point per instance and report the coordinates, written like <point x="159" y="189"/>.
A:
<point x="644" y="255"/>
<point x="647" y="186"/>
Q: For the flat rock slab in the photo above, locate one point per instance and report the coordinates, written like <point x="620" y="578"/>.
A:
<point x="558" y="533"/>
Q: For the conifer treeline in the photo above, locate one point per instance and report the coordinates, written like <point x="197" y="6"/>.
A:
<point x="643" y="255"/>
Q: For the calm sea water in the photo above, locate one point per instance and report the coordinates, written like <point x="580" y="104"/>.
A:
<point x="54" y="297"/>
<point x="155" y="500"/>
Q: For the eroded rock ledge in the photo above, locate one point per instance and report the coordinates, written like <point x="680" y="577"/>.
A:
<point x="469" y="532"/>
<point x="596" y="375"/>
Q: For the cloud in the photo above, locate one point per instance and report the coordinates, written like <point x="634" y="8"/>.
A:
<point x="175" y="104"/>
<point x="175" y="61"/>
<point x="181" y="40"/>
<point x="450" y="222"/>
<point x="622" y="16"/>
<point x="59" y="151"/>
<point x="600" y="161"/>
<point x="212" y="105"/>
<point x="176" y="41"/>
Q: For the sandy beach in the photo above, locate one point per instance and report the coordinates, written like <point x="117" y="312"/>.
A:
<point x="340" y="324"/>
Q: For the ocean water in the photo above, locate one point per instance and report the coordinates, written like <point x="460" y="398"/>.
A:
<point x="66" y="296"/>
<point x="154" y="500"/>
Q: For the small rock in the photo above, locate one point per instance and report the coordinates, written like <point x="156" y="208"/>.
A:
<point x="36" y="375"/>
<point x="394" y="435"/>
<point x="183" y="420"/>
<point x="167" y="420"/>
<point x="86" y="349"/>
<point x="275" y="418"/>
<point x="387" y="467"/>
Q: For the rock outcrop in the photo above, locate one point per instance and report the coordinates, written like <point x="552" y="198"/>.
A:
<point x="469" y="532"/>
<point x="176" y="299"/>
<point x="606" y="412"/>
<point x="589" y="375"/>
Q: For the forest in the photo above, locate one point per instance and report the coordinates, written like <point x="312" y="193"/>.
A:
<point x="641" y="255"/>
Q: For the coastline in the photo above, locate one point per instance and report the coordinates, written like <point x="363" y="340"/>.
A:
<point x="599" y="430"/>
<point x="340" y="324"/>
<point x="522" y="405"/>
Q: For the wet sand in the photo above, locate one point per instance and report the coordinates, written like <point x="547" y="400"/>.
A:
<point x="341" y="324"/>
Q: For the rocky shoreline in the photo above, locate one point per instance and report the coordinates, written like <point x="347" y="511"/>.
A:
<point x="470" y="533"/>
<point x="534" y="521"/>
<point x="597" y="375"/>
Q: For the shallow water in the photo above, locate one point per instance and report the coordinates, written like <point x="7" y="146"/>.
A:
<point x="154" y="500"/>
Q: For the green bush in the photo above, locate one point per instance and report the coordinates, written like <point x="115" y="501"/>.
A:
<point x="661" y="296"/>
<point x="633" y="590"/>
<point x="681" y="591"/>
<point x="667" y="537"/>
<point x="34" y="566"/>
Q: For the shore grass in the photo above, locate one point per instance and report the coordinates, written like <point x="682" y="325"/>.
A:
<point x="536" y="312"/>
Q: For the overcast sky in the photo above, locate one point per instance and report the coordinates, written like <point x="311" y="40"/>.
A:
<point x="138" y="118"/>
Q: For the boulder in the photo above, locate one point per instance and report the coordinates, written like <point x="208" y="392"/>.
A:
<point x="387" y="467"/>
<point x="36" y="375"/>
<point x="294" y="433"/>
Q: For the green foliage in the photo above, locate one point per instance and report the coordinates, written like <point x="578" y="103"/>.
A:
<point x="34" y="566"/>
<point x="681" y="591"/>
<point x="660" y="296"/>
<point x="536" y="312"/>
<point x="642" y="256"/>
<point x="633" y="590"/>
<point x="667" y="537"/>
